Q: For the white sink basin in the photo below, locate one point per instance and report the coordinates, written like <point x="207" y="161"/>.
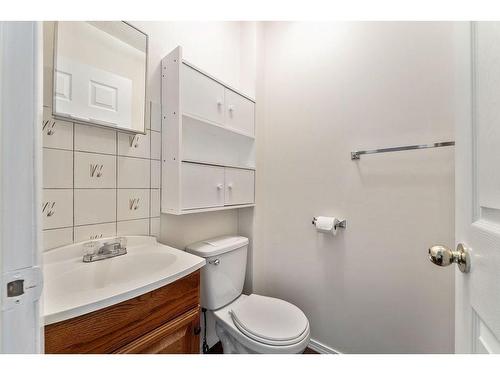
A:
<point x="73" y="288"/>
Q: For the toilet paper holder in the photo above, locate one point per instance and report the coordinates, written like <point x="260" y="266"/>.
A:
<point x="337" y="223"/>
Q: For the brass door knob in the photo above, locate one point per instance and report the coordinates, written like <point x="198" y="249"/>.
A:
<point x="443" y="256"/>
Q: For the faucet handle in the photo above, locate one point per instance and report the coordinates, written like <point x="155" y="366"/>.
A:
<point x="90" y="248"/>
<point x="123" y="242"/>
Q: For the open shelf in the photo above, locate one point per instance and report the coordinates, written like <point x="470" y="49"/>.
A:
<point x="211" y="123"/>
<point x="218" y="164"/>
<point x="211" y="209"/>
<point x="216" y="145"/>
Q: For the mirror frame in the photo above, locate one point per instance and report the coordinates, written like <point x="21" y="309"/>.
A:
<point x="64" y="118"/>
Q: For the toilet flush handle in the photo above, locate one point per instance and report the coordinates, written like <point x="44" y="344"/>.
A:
<point x="215" y="262"/>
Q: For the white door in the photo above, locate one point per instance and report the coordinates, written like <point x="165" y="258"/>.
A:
<point x="477" y="186"/>
<point x="20" y="186"/>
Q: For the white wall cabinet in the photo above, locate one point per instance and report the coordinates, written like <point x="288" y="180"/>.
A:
<point x="208" y="144"/>
<point x="202" y="186"/>
<point x="202" y="97"/>
<point x="239" y="113"/>
<point x="239" y="186"/>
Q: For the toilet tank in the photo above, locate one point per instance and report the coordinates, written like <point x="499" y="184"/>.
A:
<point x="223" y="276"/>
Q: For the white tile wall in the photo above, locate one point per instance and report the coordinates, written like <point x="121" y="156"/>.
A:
<point x="154" y="226"/>
<point x="155" y="174"/>
<point x="99" y="182"/>
<point x="56" y="133"/>
<point x="155" y="202"/>
<point x="57" y="237"/>
<point x="133" y="173"/>
<point x="134" y="145"/>
<point x="92" y="232"/>
<point x="133" y="227"/>
<point x="155" y="111"/>
<point x="57" y="208"/>
<point x="94" y="206"/>
<point x="133" y="204"/>
<point x="96" y="171"/>
<point x="95" y="139"/>
<point x="155" y="145"/>
<point x="57" y="169"/>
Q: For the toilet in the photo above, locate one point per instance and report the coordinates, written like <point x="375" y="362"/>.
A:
<point x="246" y="323"/>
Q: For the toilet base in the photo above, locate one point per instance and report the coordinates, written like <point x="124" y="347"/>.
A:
<point x="229" y="344"/>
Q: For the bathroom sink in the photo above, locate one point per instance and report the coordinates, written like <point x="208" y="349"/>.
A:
<point x="73" y="288"/>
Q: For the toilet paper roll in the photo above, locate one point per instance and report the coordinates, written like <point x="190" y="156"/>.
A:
<point x="325" y="224"/>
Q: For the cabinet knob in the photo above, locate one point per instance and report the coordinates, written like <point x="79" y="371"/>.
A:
<point x="230" y="186"/>
<point x="230" y="107"/>
<point x="220" y="186"/>
<point x="197" y="330"/>
<point x="219" y="102"/>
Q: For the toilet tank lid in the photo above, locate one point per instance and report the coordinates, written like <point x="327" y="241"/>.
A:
<point x="216" y="246"/>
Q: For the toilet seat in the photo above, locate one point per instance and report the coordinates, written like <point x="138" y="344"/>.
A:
<point x="238" y="335"/>
<point x="270" y="320"/>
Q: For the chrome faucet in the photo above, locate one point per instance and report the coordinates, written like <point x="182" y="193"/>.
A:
<point x="117" y="247"/>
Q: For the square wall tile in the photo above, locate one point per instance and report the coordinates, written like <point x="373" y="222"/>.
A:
<point x="56" y="133"/>
<point x="154" y="227"/>
<point x="95" y="139"/>
<point x="95" y="170"/>
<point x="53" y="238"/>
<point x="94" y="206"/>
<point x="133" y="228"/>
<point x="57" y="208"/>
<point x="93" y="232"/>
<point x="155" y="202"/>
<point x="155" y="119"/>
<point x="155" y="174"/>
<point x="132" y="204"/>
<point x="155" y="145"/>
<point x="133" y="173"/>
<point x="57" y="169"/>
<point x="137" y="145"/>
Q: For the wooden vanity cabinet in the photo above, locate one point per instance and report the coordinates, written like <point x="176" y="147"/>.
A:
<point x="165" y="320"/>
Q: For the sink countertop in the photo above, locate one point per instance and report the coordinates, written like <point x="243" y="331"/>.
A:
<point x="73" y="288"/>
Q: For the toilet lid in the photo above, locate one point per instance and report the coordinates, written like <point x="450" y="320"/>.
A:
<point x="270" y="320"/>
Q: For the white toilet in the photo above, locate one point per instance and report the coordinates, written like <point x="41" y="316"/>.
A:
<point x="246" y="324"/>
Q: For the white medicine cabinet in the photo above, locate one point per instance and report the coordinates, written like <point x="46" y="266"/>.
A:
<point x="208" y="141"/>
<point x="100" y="73"/>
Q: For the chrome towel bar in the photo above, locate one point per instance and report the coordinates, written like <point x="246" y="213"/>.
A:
<point x="356" y="155"/>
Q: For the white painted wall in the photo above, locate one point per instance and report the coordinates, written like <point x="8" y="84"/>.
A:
<point x="324" y="90"/>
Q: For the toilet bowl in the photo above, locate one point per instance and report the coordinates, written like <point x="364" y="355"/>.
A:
<point x="246" y="324"/>
<point x="252" y="324"/>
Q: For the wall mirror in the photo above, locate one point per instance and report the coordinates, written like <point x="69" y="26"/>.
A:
<point x="100" y="74"/>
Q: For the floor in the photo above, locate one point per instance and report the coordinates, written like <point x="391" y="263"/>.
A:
<point x="217" y="349"/>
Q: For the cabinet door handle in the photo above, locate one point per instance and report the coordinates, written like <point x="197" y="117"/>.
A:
<point x="230" y="107"/>
<point x="197" y="330"/>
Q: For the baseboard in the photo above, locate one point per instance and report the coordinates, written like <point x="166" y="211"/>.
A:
<point x="322" y="348"/>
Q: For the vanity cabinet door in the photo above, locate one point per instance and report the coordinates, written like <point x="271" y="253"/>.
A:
<point x="239" y="113"/>
<point x="239" y="186"/>
<point x="179" y="336"/>
<point x="202" y="96"/>
<point x="202" y="186"/>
